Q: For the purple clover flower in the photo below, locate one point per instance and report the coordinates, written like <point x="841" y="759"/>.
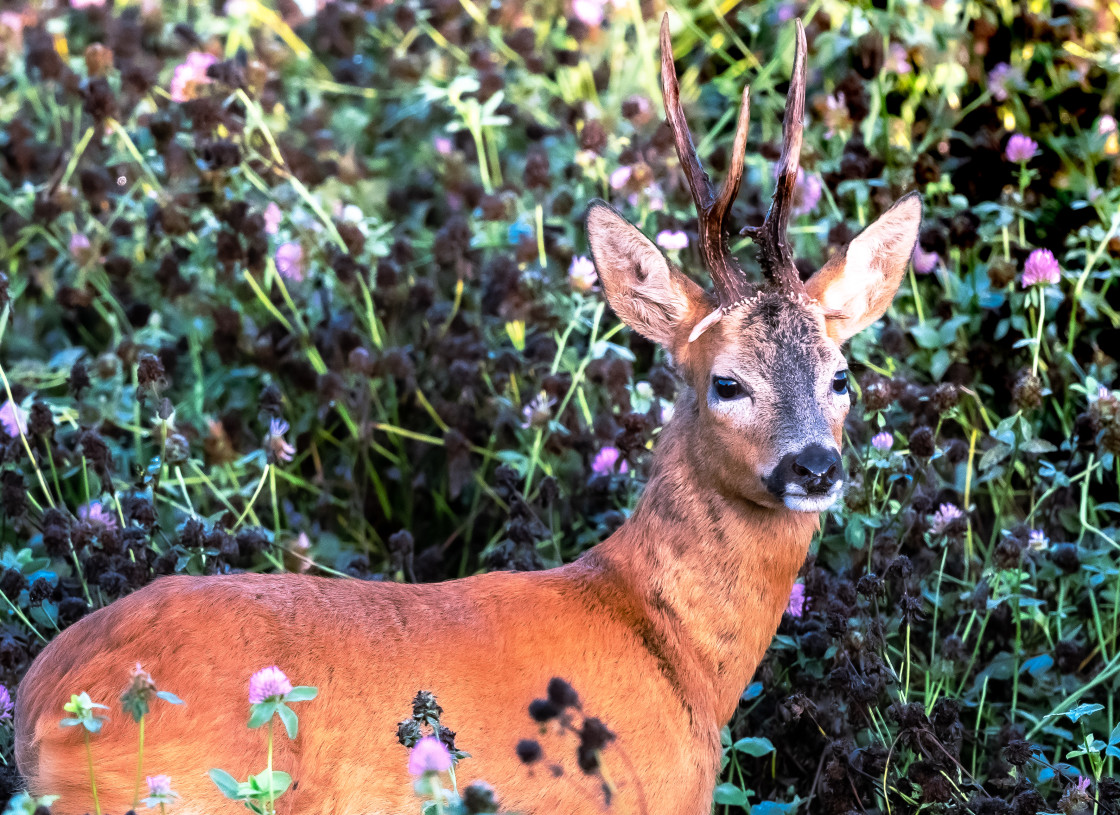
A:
<point x="882" y="442"/>
<point x="588" y="12"/>
<point x="667" y="239"/>
<point x="925" y="262"/>
<point x="797" y="600"/>
<point x="13" y="418"/>
<point x="276" y="442"/>
<point x="582" y="275"/>
<point x="946" y="516"/>
<point x="268" y="683"/>
<point x="289" y="261"/>
<point x="272" y="218"/>
<point x="159" y="791"/>
<point x="94" y="512"/>
<point x="6" y="705"/>
<point x="621" y="177"/>
<point x="1020" y="149"/>
<point x="1041" y="268"/>
<point x="1000" y="79"/>
<point x="806" y="192"/>
<point x="190" y="75"/>
<point x="606" y="460"/>
<point x="428" y="756"/>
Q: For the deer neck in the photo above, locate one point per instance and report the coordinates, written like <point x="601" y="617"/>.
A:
<point x="708" y="575"/>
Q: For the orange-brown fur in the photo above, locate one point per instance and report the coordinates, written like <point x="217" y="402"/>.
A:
<point x="658" y="628"/>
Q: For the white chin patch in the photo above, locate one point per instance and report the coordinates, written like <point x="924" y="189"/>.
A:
<point x="796" y="499"/>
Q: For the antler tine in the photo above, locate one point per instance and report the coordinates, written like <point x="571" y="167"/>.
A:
<point x="711" y="208"/>
<point x="774" y="254"/>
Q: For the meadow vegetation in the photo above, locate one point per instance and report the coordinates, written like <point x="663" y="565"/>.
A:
<point x="287" y="288"/>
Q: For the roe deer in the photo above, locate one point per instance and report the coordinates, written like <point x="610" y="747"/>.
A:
<point x="658" y="628"/>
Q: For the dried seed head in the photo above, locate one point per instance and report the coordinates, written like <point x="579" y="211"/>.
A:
<point x="1026" y="393"/>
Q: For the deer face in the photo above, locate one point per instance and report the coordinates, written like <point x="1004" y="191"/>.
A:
<point x="772" y="395"/>
<point x="769" y="382"/>
<point x="769" y="378"/>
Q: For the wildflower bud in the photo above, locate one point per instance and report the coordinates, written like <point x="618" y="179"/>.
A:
<point x="922" y="443"/>
<point x="593" y="136"/>
<point x="593" y="737"/>
<point x="40" y="590"/>
<point x="870" y="585"/>
<point x="542" y="710"/>
<point x="149" y="371"/>
<point x="79" y="379"/>
<point x="424" y="706"/>
<point x="1018" y="752"/>
<point x="561" y="694"/>
<point x="1026" y="393"/>
<point x="13" y="494"/>
<point x="946" y="396"/>
<point x="40" y="421"/>
<point x="108" y="366"/>
<point x="537" y="169"/>
<point x="408" y="733"/>
<point x="528" y="750"/>
<point x="12" y="582"/>
<point x="99" y="59"/>
<point x="177" y="449"/>
<point x="877" y="395"/>
<point x="479" y="798"/>
<point x="139" y="695"/>
<point x="1104" y="413"/>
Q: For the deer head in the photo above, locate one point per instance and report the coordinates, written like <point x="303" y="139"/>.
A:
<point x="766" y="383"/>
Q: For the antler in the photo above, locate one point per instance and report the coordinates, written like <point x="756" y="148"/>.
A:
<point x="711" y="207"/>
<point x="774" y="255"/>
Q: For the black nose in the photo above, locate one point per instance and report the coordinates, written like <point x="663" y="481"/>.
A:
<point x="816" y="468"/>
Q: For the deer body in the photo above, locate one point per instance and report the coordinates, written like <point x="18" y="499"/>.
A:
<point x="658" y="628"/>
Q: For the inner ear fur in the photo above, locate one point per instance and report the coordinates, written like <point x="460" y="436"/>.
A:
<point x="642" y="286"/>
<point x="858" y="283"/>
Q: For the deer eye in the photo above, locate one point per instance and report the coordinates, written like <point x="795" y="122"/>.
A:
<point x="727" y="388"/>
<point x="840" y="383"/>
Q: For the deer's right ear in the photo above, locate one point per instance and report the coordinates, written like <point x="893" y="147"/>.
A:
<point x="642" y="287"/>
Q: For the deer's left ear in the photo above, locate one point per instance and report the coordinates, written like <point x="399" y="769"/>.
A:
<point x="859" y="283"/>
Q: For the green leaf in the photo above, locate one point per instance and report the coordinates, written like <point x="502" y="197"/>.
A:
<point x="301" y="693"/>
<point x="753" y="691"/>
<point x="1080" y="711"/>
<point x="774" y="808"/>
<point x="280" y="782"/>
<point x="167" y="696"/>
<point x="754" y="747"/>
<point x="926" y="335"/>
<point x="1037" y="446"/>
<point x="730" y="795"/>
<point x="262" y="712"/>
<point x="288" y="717"/>
<point x="225" y="782"/>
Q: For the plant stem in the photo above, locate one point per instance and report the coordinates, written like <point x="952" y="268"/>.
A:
<point x="1038" y="334"/>
<point x="433" y="781"/>
<point x="92" y="780"/>
<point x="271" y="797"/>
<point x="139" y="767"/>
